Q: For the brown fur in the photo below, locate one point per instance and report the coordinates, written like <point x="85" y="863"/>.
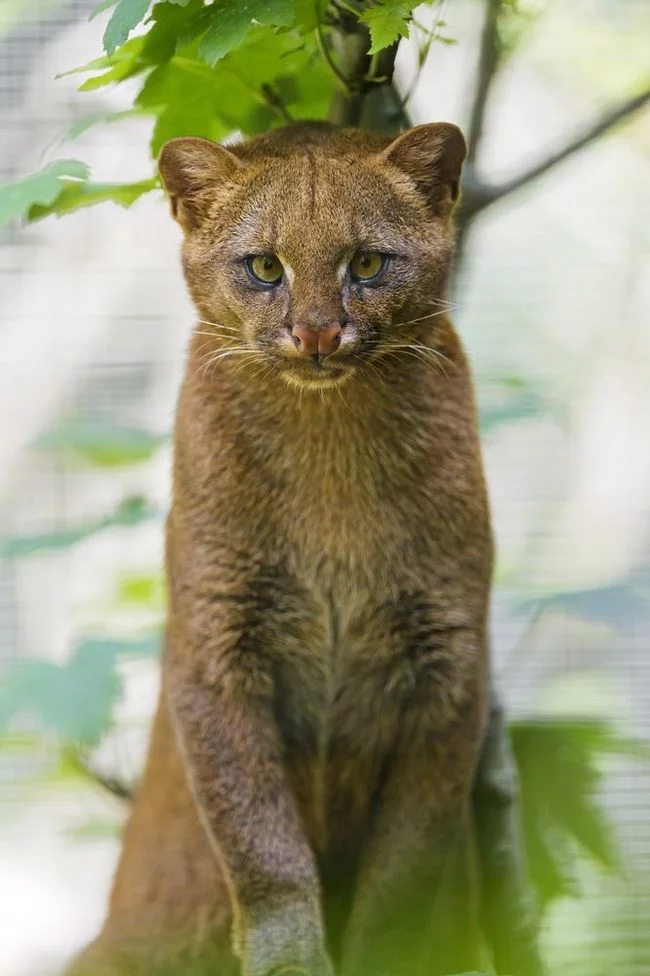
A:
<point x="329" y="557"/>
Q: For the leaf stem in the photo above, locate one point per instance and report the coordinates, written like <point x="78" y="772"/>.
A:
<point x="342" y="81"/>
<point x="274" y="101"/>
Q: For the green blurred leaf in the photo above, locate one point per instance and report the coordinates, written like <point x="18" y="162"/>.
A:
<point x="86" y="122"/>
<point x="146" y="591"/>
<point x="388" y="21"/>
<point x="95" y="830"/>
<point x="122" y="64"/>
<point x="129" y="512"/>
<point x="101" y="7"/>
<point x="188" y="102"/>
<point x="230" y="23"/>
<point x="520" y="404"/>
<point x="126" y="16"/>
<point x="40" y="189"/>
<point x="77" y="195"/>
<point x="173" y="26"/>
<point x="309" y="13"/>
<point x="74" y="700"/>
<point x="560" y="777"/>
<point x="104" y="445"/>
<point x="24" y="545"/>
<point x="619" y="605"/>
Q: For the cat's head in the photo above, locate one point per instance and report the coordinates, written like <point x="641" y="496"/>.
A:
<point x="316" y="249"/>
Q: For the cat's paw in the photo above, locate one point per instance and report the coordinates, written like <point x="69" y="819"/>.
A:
<point x="286" y="943"/>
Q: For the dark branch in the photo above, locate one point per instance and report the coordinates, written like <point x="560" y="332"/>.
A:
<point x="274" y="101"/>
<point x="479" y="194"/>
<point x="362" y="76"/>
<point x="488" y="63"/>
<point x="111" y="784"/>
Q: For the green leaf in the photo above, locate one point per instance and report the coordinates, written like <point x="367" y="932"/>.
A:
<point x="388" y="21"/>
<point x="15" y="547"/>
<point x="521" y="405"/>
<point x="100" y="8"/>
<point x="131" y="511"/>
<point x="104" y="445"/>
<point x="185" y="102"/>
<point x="619" y="605"/>
<point x="102" y="62"/>
<point x="75" y="196"/>
<point x="123" y="63"/>
<point x="560" y="776"/>
<point x="173" y="26"/>
<point x="309" y="13"/>
<point x="94" y="830"/>
<point x="74" y="700"/>
<point x="87" y="122"/>
<point x="144" y="591"/>
<point x="39" y="189"/>
<point x="127" y="15"/>
<point x="231" y="22"/>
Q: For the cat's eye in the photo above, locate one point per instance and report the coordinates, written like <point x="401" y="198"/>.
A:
<point x="367" y="265"/>
<point x="265" y="268"/>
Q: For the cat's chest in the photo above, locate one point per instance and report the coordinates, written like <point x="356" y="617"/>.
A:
<point x="349" y="511"/>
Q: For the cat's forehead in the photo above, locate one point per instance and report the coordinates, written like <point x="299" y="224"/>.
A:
<point x="309" y="203"/>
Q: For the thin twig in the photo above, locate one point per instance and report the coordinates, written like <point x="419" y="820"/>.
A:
<point x="488" y="193"/>
<point x="111" y="784"/>
<point x="327" y="57"/>
<point x="430" y="35"/>
<point x="488" y="64"/>
<point x="275" y="102"/>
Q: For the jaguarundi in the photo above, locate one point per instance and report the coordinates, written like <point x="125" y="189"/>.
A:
<point x="307" y="803"/>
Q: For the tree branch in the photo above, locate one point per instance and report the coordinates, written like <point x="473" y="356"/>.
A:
<point x="111" y="784"/>
<point x="488" y="63"/>
<point x="480" y="194"/>
<point x="361" y="75"/>
<point x="274" y="101"/>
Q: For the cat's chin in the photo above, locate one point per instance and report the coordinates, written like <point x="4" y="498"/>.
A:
<point x="322" y="380"/>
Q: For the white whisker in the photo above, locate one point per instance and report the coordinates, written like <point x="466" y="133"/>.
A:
<point x="219" y="325"/>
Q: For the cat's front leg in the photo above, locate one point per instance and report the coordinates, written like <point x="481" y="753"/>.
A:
<point x="218" y="677"/>
<point x="423" y="806"/>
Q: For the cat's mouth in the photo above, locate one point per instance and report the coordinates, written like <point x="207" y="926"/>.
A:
<point x="318" y="374"/>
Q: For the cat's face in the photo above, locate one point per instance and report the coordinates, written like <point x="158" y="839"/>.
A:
<point x="315" y="256"/>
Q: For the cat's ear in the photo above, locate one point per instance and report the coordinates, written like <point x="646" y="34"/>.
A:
<point x="432" y="155"/>
<point x="190" y="168"/>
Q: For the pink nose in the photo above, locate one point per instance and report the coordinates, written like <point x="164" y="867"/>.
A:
<point x="321" y="342"/>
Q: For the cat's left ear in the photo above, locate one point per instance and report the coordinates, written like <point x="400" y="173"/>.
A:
<point x="432" y="155"/>
<point x="190" y="168"/>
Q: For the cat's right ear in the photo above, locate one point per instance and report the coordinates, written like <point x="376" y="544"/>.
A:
<point x="190" y="168"/>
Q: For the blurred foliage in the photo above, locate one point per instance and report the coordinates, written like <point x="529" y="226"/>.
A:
<point x="74" y="700"/>
<point x="129" y="512"/>
<point x="560" y="769"/>
<point x="272" y="57"/>
<point x="619" y="605"/>
<point x="104" y="445"/>
<point x="275" y="61"/>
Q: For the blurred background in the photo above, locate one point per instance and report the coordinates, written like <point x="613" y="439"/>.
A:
<point x="553" y="302"/>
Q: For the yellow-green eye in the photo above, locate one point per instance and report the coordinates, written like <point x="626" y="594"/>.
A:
<point x="265" y="268"/>
<point x="366" y="265"/>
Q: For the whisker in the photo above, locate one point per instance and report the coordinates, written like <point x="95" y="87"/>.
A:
<point x="223" y="354"/>
<point x="420" y="352"/>
<point x="212" y="354"/>
<point x="374" y="366"/>
<point x="218" y="325"/>
<point x="217" y="334"/>
<point x="420" y="318"/>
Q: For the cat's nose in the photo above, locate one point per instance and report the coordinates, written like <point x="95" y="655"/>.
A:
<point x="317" y="342"/>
